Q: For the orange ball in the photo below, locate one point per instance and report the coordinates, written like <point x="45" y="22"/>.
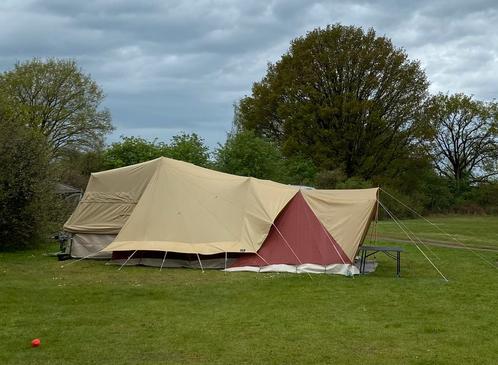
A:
<point x="36" y="342"/>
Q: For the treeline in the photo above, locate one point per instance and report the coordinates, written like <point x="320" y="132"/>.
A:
<point x="342" y="108"/>
<point x="417" y="183"/>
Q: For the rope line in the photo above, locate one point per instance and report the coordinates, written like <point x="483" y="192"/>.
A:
<point x="415" y="243"/>
<point x="261" y="257"/>
<point x="419" y="240"/>
<point x="290" y="248"/>
<point x="326" y="234"/>
<point x="82" y="258"/>
<point x="333" y="245"/>
<point x="441" y="230"/>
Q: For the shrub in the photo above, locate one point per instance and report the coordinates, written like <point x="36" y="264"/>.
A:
<point x="27" y="195"/>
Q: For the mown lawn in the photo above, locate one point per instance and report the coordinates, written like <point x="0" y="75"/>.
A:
<point x="474" y="232"/>
<point x="90" y="313"/>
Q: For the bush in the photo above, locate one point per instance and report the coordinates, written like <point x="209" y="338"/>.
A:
<point x="27" y="195"/>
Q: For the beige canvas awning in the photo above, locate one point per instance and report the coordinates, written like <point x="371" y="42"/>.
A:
<point x="186" y="209"/>
<point x="110" y="198"/>
<point x="346" y="214"/>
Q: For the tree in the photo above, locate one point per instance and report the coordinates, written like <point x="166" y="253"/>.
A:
<point x="465" y="144"/>
<point x="298" y="170"/>
<point x="60" y="101"/>
<point x="342" y="97"/>
<point x="189" y="148"/>
<point x="246" y="154"/>
<point x="26" y="183"/>
<point x="75" y="167"/>
<point x="132" y="150"/>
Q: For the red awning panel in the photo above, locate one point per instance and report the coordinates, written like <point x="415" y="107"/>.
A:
<point x="297" y="237"/>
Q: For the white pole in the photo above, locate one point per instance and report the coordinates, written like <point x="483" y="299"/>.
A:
<point x="128" y="259"/>
<point x="200" y="263"/>
<point x="164" y="258"/>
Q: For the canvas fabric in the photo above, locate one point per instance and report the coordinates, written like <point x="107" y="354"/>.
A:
<point x="90" y="244"/>
<point x="169" y="205"/>
<point x="346" y="214"/>
<point x="186" y="209"/>
<point x="110" y="198"/>
<point x="297" y="237"/>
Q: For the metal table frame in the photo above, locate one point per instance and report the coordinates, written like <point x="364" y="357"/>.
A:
<point x="387" y="250"/>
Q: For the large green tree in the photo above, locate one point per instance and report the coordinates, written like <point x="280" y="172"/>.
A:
<point x="341" y="96"/>
<point x="60" y="101"/>
<point x="465" y="144"/>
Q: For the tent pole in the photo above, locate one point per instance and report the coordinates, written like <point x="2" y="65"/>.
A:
<point x="164" y="258"/>
<point x="200" y="263"/>
<point x="128" y="259"/>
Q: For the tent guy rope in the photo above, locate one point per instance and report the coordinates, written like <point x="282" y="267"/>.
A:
<point x="441" y="230"/>
<point x="410" y="238"/>
<point x="83" y="258"/>
<point x="290" y="248"/>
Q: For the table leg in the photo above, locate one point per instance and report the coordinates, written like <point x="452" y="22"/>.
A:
<point x="362" y="262"/>
<point x="398" y="263"/>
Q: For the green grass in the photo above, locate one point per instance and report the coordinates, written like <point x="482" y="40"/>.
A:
<point x="90" y="313"/>
<point x="475" y="231"/>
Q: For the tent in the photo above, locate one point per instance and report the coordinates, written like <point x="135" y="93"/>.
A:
<point x="170" y="213"/>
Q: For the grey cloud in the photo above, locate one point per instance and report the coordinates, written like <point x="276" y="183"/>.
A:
<point x="170" y="66"/>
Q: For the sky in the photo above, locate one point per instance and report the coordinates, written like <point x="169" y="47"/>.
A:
<point x="170" y="66"/>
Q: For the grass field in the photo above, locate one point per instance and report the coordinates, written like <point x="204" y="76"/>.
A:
<point x="474" y="232"/>
<point x="90" y="313"/>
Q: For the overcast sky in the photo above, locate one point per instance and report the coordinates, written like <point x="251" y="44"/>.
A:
<point x="170" y="66"/>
